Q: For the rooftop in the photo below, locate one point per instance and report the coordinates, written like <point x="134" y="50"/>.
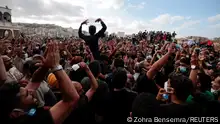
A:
<point x="6" y="7"/>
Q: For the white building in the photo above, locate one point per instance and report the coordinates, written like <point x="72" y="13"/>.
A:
<point x="6" y="26"/>
<point x="121" y="34"/>
<point x="5" y="16"/>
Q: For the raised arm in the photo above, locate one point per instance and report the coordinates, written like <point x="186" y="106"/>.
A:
<point x="81" y="35"/>
<point x="119" y="45"/>
<point x="93" y="81"/>
<point x="40" y="73"/>
<point x="160" y="63"/>
<point x="104" y="27"/>
<point x="61" y="110"/>
<point x="177" y="55"/>
<point x="68" y="52"/>
<point x="2" y="71"/>
<point x="194" y="69"/>
<point x="164" y="47"/>
<point x="154" y="57"/>
<point x="90" y="53"/>
<point x="3" y="75"/>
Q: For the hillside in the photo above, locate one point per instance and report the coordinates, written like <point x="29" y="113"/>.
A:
<point x="50" y="30"/>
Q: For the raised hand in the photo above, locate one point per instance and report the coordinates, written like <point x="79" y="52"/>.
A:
<point x="171" y="48"/>
<point x="160" y="94"/>
<point x="98" y="20"/>
<point x="52" y="56"/>
<point x="119" y="45"/>
<point x="158" y="52"/>
<point x="85" y="22"/>
<point x="61" y="46"/>
<point x="84" y="66"/>
<point x="194" y="59"/>
<point x="88" y="49"/>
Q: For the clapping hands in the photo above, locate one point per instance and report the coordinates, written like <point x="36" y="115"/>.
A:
<point x="52" y="57"/>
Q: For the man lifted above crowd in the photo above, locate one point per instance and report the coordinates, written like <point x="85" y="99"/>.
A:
<point x="92" y="40"/>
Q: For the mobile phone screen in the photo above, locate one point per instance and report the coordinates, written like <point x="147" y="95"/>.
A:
<point x="75" y="67"/>
<point x="165" y="96"/>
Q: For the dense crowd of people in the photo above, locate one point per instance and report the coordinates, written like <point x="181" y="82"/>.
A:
<point x="107" y="80"/>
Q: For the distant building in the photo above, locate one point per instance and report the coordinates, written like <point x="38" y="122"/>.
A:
<point x="75" y="32"/>
<point x="6" y="26"/>
<point x="106" y="33"/>
<point x="121" y="34"/>
<point x="85" y="32"/>
<point x="5" y="16"/>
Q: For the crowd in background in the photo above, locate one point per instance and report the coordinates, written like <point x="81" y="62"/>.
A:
<point x="97" y="79"/>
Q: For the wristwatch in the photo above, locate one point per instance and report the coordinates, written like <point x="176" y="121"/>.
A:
<point x="193" y="67"/>
<point x="57" y="68"/>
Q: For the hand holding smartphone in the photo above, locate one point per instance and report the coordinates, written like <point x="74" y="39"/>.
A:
<point x="75" y="67"/>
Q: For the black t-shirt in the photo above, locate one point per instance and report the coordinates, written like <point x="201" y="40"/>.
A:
<point x="40" y="116"/>
<point x="82" y="114"/>
<point x="146" y="85"/>
<point x="97" y="102"/>
<point x="92" y="41"/>
<point x="77" y="75"/>
<point x="98" y="97"/>
<point x="160" y="79"/>
<point x="118" y="106"/>
<point x="105" y="69"/>
<point x="212" y="109"/>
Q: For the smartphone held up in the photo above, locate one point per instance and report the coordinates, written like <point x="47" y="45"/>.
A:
<point x="75" y="67"/>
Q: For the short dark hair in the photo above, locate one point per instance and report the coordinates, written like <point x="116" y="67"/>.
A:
<point x="118" y="54"/>
<point x="205" y="81"/>
<point x="8" y="98"/>
<point x="137" y="69"/>
<point x="185" y="61"/>
<point x="30" y="66"/>
<point x="35" y="51"/>
<point x="119" y="78"/>
<point x="104" y="57"/>
<point x="95" y="68"/>
<point x="118" y="63"/>
<point x="145" y="105"/>
<point x="92" y="29"/>
<point x="182" y="85"/>
<point x="184" y="52"/>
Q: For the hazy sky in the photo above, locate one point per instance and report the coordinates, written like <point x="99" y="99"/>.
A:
<point x="186" y="17"/>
